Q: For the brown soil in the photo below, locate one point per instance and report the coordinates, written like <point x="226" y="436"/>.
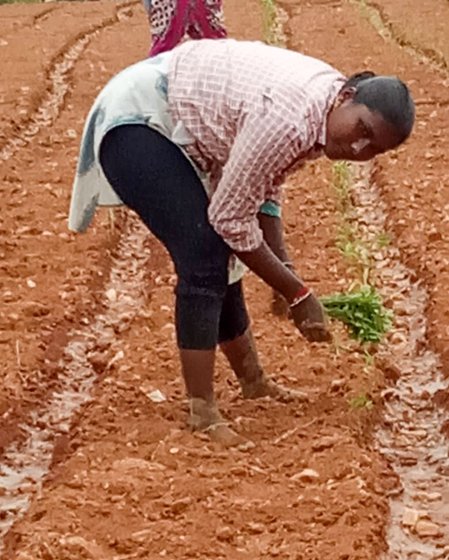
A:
<point x="414" y="181"/>
<point x="128" y="481"/>
<point x="421" y="26"/>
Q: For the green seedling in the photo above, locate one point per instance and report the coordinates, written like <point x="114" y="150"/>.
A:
<point x="353" y="249"/>
<point x="361" y="401"/>
<point x="369" y="359"/>
<point x="355" y="252"/>
<point x="341" y="179"/>
<point x="349" y="241"/>
<point x="269" y="21"/>
<point x="362" y="311"/>
<point x="383" y="240"/>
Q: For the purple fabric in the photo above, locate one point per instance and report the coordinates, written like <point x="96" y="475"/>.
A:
<point x="193" y="17"/>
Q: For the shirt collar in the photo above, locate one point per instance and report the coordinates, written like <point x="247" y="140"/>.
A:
<point x="334" y="91"/>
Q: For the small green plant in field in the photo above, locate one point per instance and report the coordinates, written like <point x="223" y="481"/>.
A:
<point x="362" y="311"/>
<point x="269" y="21"/>
<point x="341" y="179"/>
<point x="349" y="241"/>
<point x="355" y="251"/>
<point x="361" y="401"/>
<point x="383" y="240"/>
<point x="369" y="359"/>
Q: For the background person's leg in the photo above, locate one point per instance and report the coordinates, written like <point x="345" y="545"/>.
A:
<point x="206" y="20"/>
<point x="168" y="22"/>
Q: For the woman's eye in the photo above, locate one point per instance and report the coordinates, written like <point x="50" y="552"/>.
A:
<point x="364" y="130"/>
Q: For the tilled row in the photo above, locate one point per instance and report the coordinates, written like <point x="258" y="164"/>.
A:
<point x="39" y="300"/>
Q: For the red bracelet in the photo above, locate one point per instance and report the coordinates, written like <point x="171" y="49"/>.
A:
<point x="302" y="294"/>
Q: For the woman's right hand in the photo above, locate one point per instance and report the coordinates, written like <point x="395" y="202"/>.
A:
<point x="308" y="315"/>
<point x="279" y="305"/>
<point x="310" y="319"/>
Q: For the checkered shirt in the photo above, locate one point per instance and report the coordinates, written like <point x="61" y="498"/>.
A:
<point x="251" y="113"/>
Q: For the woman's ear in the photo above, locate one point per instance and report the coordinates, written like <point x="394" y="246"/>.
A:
<point x="345" y="94"/>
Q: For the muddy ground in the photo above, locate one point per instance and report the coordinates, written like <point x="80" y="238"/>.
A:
<point x="86" y="329"/>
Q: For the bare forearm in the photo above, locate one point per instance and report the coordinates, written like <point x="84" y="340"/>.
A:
<point x="271" y="270"/>
<point x="273" y="235"/>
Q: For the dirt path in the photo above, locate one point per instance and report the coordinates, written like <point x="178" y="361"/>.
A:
<point x="315" y="485"/>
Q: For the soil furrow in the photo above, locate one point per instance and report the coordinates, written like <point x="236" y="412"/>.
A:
<point x="410" y="434"/>
<point x="423" y="173"/>
<point x="420" y="455"/>
<point x="38" y="303"/>
<point x="50" y="100"/>
<point x="430" y="41"/>
<point x="25" y="464"/>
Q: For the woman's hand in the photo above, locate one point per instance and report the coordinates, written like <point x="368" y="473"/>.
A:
<point x="279" y="305"/>
<point x="310" y="318"/>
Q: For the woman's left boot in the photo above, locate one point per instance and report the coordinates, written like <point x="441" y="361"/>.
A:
<point x="243" y="359"/>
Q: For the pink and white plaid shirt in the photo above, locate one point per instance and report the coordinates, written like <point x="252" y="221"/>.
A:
<point x="251" y="112"/>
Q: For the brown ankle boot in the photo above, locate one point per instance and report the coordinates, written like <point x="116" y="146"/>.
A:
<point x="203" y="414"/>
<point x="242" y="356"/>
<point x="205" y="417"/>
<point x="266" y="387"/>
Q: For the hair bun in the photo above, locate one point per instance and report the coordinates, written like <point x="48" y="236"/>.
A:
<point x="355" y="79"/>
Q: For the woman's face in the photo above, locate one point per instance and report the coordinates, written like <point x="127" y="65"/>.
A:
<point x="356" y="133"/>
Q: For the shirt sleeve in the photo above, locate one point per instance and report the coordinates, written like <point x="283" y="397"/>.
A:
<point x="271" y="208"/>
<point x="263" y="149"/>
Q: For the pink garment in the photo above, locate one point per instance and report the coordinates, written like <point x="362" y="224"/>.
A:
<point x="248" y="114"/>
<point x="172" y="19"/>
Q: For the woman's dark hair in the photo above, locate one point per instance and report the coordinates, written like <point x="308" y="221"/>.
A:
<point x="387" y="95"/>
<point x="354" y="80"/>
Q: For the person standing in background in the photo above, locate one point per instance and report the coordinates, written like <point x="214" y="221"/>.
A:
<point x="171" y="20"/>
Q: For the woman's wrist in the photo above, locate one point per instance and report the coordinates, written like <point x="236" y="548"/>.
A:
<point x="294" y="289"/>
<point x="301" y="295"/>
<point x="268" y="267"/>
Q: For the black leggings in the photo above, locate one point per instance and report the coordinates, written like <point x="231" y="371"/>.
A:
<point x="152" y="176"/>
